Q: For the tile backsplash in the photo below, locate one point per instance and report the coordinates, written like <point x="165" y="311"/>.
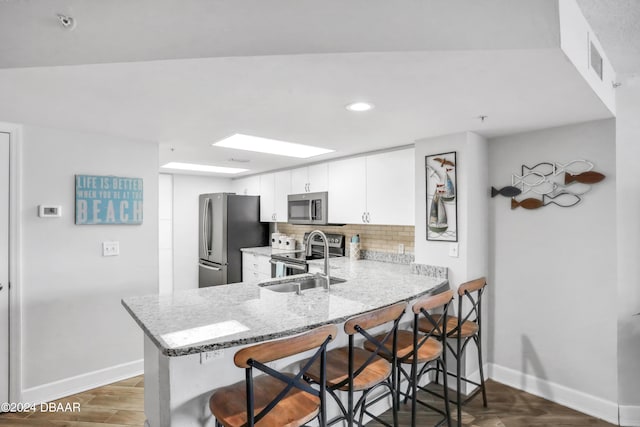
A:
<point x="378" y="238"/>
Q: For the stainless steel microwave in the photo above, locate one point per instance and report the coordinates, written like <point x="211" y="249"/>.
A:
<point x="307" y="208"/>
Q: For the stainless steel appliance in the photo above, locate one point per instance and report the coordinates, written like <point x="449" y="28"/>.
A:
<point x="295" y="262"/>
<point x="307" y="208"/>
<point x="227" y="222"/>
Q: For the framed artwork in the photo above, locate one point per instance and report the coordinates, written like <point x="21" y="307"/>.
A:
<point x="442" y="197"/>
<point x="108" y="200"/>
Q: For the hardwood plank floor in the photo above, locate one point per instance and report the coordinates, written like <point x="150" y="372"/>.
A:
<point x="121" y="404"/>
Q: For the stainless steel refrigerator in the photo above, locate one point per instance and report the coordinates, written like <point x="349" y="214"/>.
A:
<point x="227" y="222"/>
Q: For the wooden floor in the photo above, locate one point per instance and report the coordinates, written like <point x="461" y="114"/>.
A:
<point x="122" y="404"/>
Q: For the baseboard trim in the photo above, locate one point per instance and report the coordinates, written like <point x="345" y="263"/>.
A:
<point x="79" y="383"/>
<point x="574" y="399"/>
<point x="629" y="416"/>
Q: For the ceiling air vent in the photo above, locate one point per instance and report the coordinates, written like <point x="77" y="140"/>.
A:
<point x="596" y="60"/>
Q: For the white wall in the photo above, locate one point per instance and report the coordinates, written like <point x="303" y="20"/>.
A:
<point x="553" y="299"/>
<point x="186" y="189"/>
<point x="165" y="233"/>
<point x="628" y="213"/>
<point x="471" y="173"/>
<point x="472" y="214"/>
<point x="75" y="331"/>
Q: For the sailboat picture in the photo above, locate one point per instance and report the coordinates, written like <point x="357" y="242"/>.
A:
<point x="441" y="185"/>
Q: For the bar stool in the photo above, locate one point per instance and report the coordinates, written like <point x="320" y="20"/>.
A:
<point x="275" y="399"/>
<point x="464" y="329"/>
<point x="353" y="369"/>
<point x="414" y="348"/>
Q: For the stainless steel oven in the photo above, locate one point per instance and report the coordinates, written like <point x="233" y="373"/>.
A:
<point x="295" y="262"/>
<point x="307" y="208"/>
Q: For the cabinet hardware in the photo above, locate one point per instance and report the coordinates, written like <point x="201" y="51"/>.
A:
<point x="368" y="217"/>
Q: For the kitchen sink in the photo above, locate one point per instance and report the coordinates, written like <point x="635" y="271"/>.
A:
<point x="299" y="285"/>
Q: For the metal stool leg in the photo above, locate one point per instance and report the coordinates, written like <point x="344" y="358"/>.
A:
<point x="484" y="392"/>
<point x="458" y="379"/>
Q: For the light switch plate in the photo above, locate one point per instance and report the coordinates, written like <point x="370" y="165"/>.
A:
<point x="49" y="211"/>
<point x="453" y="250"/>
<point x="110" y="248"/>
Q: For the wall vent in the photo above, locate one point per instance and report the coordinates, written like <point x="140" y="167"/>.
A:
<point x="595" y="60"/>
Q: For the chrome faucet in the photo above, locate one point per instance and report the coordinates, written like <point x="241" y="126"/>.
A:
<point x="326" y="252"/>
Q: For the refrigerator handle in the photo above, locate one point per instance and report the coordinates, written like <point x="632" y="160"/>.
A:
<point x="205" y="220"/>
<point x="206" y="267"/>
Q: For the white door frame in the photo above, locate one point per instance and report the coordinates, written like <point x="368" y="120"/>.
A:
<point x="15" y="259"/>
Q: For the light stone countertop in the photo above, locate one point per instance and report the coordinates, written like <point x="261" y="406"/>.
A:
<point x="265" y="250"/>
<point x="200" y="320"/>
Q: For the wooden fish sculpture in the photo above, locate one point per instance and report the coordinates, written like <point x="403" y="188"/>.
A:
<point x="507" y="191"/>
<point x="590" y="177"/>
<point x="530" y="203"/>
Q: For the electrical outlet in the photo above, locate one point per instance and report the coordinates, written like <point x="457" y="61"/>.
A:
<point x="400" y="248"/>
<point x="453" y="250"/>
<point x="110" y="248"/>
<point x="211" y="355"/>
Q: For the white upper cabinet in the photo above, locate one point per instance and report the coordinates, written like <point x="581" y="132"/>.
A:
<point x="375" y="189"/>
<point x="347" y="191"/>
<point x="267" y="197"/>
<point x="249" y="186"/>
<point x="391" y="188"/>
<point x="299" y="180"/>
<point x="310" y="179"/>
<point x="274" y="189"/>
<point x="282" y="190"/>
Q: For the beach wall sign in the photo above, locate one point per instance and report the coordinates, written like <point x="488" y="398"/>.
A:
<point x="108" y="200"/>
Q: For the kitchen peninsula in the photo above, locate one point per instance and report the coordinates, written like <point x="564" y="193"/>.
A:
<point x="191" y="336"/>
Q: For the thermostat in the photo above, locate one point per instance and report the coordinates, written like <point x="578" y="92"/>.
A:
<point x="46" y="211"/>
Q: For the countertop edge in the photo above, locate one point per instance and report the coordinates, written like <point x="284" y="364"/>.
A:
<point x="185" y="351"/>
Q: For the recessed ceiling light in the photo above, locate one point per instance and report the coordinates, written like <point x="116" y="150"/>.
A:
<point x="359" y="106"/>
<point x="270" y="146"/>
<point x="202" y="168"/>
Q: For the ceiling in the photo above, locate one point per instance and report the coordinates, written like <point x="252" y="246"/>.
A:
<point x="186" y="74"/>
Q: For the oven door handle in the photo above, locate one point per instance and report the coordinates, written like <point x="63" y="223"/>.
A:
<point x="286" y="264"/>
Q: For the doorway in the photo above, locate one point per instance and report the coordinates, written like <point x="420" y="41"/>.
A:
<point x="4" y="267"/>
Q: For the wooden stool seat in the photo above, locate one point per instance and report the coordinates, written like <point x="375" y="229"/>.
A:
<point x="430" y="350"/>
<point x="468" y="328"/>
<point x="275" y="398"/>
<point x="338" y="369"/>
<point x="229" y="406"/>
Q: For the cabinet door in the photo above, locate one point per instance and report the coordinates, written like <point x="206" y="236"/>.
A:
<point x="391" y="188"/>
<point x="267" y="197"/>
<point x="347" y="191"/>
<point x="282" y="190"/>
<point x="318" y="178"/>
<point x="249" y="186"/>
<point x="299" y="180"/>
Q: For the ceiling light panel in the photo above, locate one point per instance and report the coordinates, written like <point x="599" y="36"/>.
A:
<point x="202" y="168"/>
<point x="270" y="146"/>
<point x="359" y="106"/>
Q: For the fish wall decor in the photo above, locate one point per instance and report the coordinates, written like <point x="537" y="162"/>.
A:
<point x="530" y="203"/>
<point x="560" y="184"/>
<point x="590" y="177"/>
<point x="507" y="191"/>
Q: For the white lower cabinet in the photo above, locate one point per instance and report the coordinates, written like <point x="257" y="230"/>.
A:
<point x="255" y="268"/>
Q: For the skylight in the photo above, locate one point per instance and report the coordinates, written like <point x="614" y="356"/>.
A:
<point x="270" y="146"/>
<point x="202" y="168"/>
